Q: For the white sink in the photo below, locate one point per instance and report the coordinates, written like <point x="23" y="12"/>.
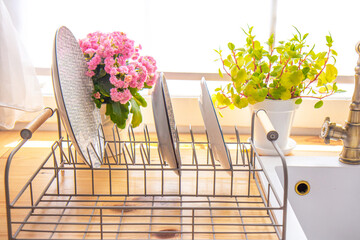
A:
<point x="331" y="209"/>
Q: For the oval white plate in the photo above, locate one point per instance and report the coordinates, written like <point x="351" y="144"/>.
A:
<point x="165" y="124"/>
<point x="73" y="91"/>
<point x="214" y="132"/>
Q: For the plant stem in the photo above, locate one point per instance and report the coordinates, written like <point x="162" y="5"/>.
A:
<point x="233" y="52"/>
<point x="222" y="61"/>
<point x="282" y="70"/>
<point x="270" y="63"/>
<point x="317" y="75"/>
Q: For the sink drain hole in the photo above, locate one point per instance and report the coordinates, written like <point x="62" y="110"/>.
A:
<point x="302" y="188"/>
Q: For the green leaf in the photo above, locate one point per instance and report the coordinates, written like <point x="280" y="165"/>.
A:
<point x="286" y="95"/>
<point x="273" y="58"/>
<point x="227" y="63"/>
<point x="240" y="61"/>
<point x="270" y="42"/>
<point x="102" y="73"/>
<point x="329" y="41"/>
<point x="220" y="73"/>
<point x="335" y="87"/>
<point x="305" y="36"/>
<point x="276" y="92"/>
<point x="140" y="100"/>
<point x="290" y="79"/>
<point x="221" y="99"/>
<point x="231" y="46"/>
<point x="305" y="70"/>
<point x="234" y="71"/>
<point x="331" y="73"/>
<point x="257" y="54"/>
<point x="265" y="67"/>
<point x="319" y="104"/>
<point x="136" y="113"/>
<point x="298" y="101"/>
<point x="104" y="86"/>
<point x="118" y="113"/>
<point x="334" y="52"/>
<point x="147" y="86"/>
<point x="241" y="76"/>
<point x="98" y="103"/>
<point x="239" y="102"/>
<point x="257" y="45"/>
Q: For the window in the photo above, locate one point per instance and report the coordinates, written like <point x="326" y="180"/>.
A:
<point x="181" y="35"/>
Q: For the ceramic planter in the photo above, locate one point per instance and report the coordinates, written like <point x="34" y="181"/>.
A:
<point x="281" y="114"/>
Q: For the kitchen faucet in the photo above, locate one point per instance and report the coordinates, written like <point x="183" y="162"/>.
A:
<point x="350" y="133"/>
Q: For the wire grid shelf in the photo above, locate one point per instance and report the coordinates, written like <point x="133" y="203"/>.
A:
<point x="136" y="195"/>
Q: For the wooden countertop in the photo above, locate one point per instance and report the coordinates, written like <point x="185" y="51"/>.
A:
<point x="25" y="163"/>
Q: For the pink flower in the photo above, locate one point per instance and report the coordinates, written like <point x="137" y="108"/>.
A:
<point x="128" y="78"/>
<point x="123" y="70"/>
<point x="118" y="83"/>
<point x="114" y="71"/>
<point x="90" y="73"/>
<point x="118" y="96"/>
<point x="152" y="79"/>
<point x="109" y="64"/>
<point x="94" y="62"/>
<point x="124" y="66"/>
<point x="97" y="95"/>
<point x="135" y="56"/>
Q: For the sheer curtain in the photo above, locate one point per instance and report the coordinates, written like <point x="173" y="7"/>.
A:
<point x="19" y="87"/>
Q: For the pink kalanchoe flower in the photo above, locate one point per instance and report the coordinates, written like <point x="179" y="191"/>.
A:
<point x="118" y="83"/>
<point x="124" y="66"/>
<point x="90" y="73"/>
<point x="114" y="71"/>
<point x="94" y="62"/>
<point x="123" y="70"/>
<point x="118" y="96"/>
<point x="97" y="95"/>
<point x="109" y="64"/>
<point x="151" y="79"/>
<point x="128" y="78"/>
<point x="90" y="51"/>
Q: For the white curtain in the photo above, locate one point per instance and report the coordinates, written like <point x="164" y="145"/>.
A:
<point x="19" y="86"/>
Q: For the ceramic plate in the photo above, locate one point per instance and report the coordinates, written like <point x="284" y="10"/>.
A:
<point x="215" y="136"/>
<point x="73" y="90"/>
<point x="165" y="124"/>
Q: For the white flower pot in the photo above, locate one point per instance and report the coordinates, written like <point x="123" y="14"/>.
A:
<point x="281" y="114"/>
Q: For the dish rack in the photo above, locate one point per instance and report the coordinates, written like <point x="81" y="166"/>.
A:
<point x="136" y="195"/>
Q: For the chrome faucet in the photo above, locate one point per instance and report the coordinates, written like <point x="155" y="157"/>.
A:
<point x="350" y="133"/>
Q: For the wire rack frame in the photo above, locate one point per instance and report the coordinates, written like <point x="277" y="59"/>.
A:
<point x="136" y="195"/>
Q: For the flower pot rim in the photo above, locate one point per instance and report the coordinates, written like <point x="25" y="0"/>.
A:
<point x="272" y="105"/>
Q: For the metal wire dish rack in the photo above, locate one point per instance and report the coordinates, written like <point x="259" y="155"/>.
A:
<point x="136" y="195"/>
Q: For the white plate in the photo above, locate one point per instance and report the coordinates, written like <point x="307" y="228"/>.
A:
<point x="73" y="91"/>
<point x="165" y="124"/>
<point x="212" y="126"/>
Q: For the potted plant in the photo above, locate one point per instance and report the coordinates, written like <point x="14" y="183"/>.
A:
<point x="276" y="79"/>
<point x="118" y="73"/>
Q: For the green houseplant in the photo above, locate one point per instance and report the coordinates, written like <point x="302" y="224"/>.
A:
<point x="276" y="78"/>
<point x="290" y="70"/>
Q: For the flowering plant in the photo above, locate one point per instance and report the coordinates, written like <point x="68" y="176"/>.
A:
<point x="118" y="73"/>
<point x="290" y="70"/>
